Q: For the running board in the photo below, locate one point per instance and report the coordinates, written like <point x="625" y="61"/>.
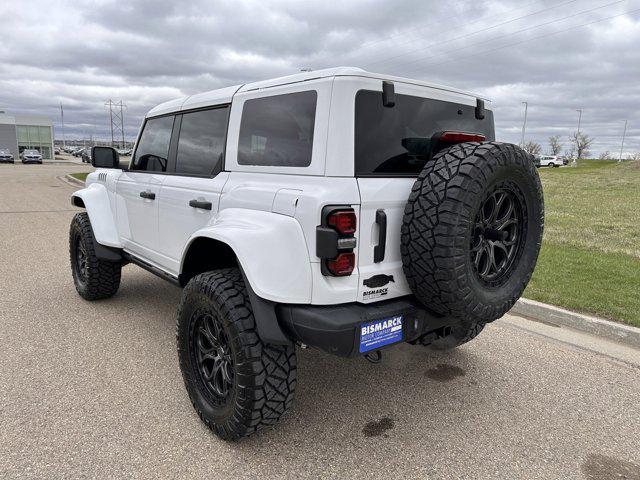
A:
<point x="151" y="268"/>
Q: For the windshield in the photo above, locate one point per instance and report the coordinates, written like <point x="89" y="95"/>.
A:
<point x="32" y="152"/>
<point x="397" y="141"/>
<point x="4" y="150"/>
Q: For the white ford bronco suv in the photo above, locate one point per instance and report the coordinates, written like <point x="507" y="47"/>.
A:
<point x="337" y="209"/>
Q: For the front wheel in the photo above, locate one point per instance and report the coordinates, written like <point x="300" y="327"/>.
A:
<point x="237" y="383"/>
<point x="94" y="278"/>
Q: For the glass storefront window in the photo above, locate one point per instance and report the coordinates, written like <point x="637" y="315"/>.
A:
<point x="45" y="134"/>
<point x="22" y="133"/>
<point x="35" y="137"/>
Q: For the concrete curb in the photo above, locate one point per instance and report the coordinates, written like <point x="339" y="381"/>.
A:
<point x="549" y="314"/>
<point x="74" y="182"/>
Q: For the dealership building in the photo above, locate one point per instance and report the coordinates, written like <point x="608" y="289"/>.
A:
<point x="20" y="132"/>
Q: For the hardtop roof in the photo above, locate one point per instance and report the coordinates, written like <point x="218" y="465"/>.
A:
<point x="225" y="95"/>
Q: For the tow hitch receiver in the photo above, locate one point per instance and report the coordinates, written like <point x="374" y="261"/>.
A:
<point x="374" y="357"/>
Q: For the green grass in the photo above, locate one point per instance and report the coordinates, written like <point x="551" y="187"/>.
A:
<point x="590" y="258"/>
<point x="80" y="176"/>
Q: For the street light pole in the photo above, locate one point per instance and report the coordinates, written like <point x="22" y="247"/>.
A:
<point x="624" y="132"/>
<point x="64" y="144"/>
<point x="524" y="125"/>
<point x="579" y="119"/>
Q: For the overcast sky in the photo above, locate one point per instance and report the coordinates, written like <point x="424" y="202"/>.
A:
<point x="82" y="53"/>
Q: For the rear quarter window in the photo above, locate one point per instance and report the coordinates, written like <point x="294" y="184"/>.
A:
<point x="396" y="141"/>
<point x="278" y="130"/>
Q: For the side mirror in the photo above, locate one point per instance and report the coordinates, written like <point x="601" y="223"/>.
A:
<point x="105" y="157"/>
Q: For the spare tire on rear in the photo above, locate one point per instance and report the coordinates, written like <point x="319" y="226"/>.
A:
<point x="472" y="230"/>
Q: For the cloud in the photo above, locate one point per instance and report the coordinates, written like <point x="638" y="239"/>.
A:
<point x="558" y="56"/>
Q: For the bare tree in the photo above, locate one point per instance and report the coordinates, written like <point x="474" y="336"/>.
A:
<point x="634" y="157"/>
<point x="532" y="147"/>
<point x="605" y="156"/>
<point x="582" y="143"/>
<point x="555" y="144"/>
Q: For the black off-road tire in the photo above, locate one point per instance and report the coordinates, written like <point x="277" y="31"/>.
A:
<point x="462" y="333"/>
<point x="98" y="279"/>
<point x="264" y="376"/>
<point x="441" y="221"/>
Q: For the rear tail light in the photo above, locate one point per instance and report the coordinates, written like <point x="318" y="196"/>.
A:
<point x="344" y="221"/>
<point x="458" y="137"/>
<point x="342" y="265"/>
<point x="335" y="241"/>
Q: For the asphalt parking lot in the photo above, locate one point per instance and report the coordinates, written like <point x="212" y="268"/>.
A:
<point x="94" y="389"/>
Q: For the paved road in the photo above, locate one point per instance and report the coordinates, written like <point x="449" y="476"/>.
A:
<point x="94" y="390"/>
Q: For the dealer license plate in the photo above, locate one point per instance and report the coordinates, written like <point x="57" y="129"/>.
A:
<point x="377" y="334"/>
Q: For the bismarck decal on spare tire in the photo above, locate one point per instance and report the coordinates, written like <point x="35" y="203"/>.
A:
<point x="472" y="230"/>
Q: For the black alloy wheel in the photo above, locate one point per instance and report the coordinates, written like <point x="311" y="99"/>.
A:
<point x="498" y="234"/>
<point x="81" y="264"/>
<point x="213" y="356"/>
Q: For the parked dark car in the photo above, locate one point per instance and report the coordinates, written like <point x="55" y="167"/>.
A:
<point x="6" y="156"/>
<point x="31" y="156"/>
<point x="86" y="155"/>
<point x="77" y="152"/>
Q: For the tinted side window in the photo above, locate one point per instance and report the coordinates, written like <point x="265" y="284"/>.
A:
<point x="278" y="130"/>
<point x="201" y="142"/>
<point x="397" y="141"/>
<point x="153" y="148"/>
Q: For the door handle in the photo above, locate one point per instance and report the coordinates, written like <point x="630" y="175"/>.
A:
<point x="200" y="204"/>
<point x="148" y="195"/>
<point x="378" y="250"/>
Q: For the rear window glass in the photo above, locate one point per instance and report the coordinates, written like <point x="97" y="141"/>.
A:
<point x="278" y="131"/>
<point x="396" y="141"/>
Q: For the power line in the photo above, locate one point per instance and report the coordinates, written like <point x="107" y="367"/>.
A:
<point x="533" y="27"/>
<point x="475" y="55"/>
<point x="422" y="27"/>
<point x="470" y="34"/>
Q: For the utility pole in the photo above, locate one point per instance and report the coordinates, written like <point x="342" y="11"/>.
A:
<point x="524" y="125"/>
<point x="116" y="120"/>
<point x="62" y="118"/>
<point x="624" y="132"/>
<point x="110" y="104"/>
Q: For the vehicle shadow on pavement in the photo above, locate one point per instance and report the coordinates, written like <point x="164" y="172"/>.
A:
<point x="337" y="398"/>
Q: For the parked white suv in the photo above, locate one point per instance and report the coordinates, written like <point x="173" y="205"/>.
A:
<point x="338" y="209"/>
<point x="548" y="161"/>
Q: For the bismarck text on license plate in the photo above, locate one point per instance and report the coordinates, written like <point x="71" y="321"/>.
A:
<point x="377" y="334"/>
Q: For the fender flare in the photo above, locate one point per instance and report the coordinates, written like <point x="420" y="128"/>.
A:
<point x="270" y="248"/>
<point x="95" y="200"/>
<point x="272" y="254"/>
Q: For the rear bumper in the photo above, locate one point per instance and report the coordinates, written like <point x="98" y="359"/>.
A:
<point x="336" y="328"/>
